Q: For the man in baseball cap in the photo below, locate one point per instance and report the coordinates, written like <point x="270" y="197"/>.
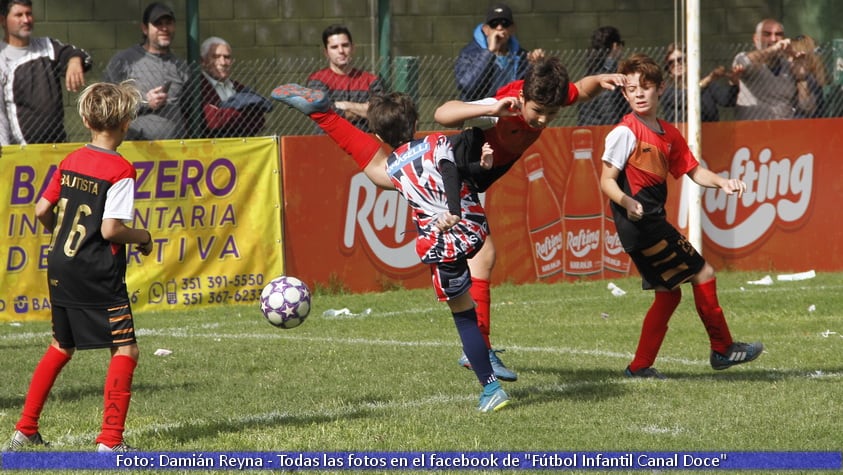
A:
<point x="159" y="75"/>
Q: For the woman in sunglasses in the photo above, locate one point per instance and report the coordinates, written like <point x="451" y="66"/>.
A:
<point x="713" y="91"/>
<point x="493" y="57"/>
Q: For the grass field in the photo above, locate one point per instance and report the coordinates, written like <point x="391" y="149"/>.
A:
<point x="388" y="380"/>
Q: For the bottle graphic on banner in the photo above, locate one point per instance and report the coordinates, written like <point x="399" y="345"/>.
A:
<point x="544" y="221"/>
<point x="583" y="211"/>
<point x="615" y="260"/>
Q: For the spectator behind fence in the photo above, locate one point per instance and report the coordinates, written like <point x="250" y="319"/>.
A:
<point x="33" y="71"/>
<point x="606" y="50"/>
<point x="158" y="74"/>
<point x="348" y="88"/>
<point x="767" y="84"/>
<point x="229" y="108"/>
<point x="717" y="88"/>
<point x="493" y="58"/>
<point x="811" y="78"/>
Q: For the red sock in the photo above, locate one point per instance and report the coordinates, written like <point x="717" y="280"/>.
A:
<point x="655" y="328"/>
<point x="43" y="378"/>
<point x="360" y="145"/>
<point x="116" y="397"/>
<point x="705" y="298"/>
<point x="482" y="297"/>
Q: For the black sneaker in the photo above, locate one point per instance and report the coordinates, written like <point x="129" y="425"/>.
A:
<point x="19" y="441"/>
<point x="738" y="353"/>
<point x="644" y="373"/>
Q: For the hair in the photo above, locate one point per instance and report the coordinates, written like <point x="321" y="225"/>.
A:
<point x="602" y="40"/>
<point x="106" y="106"/>
<point x="393" y="117"/>
<point x="335" y="29"/>
<point x="808" y="47"/>
<point x="546" y="83"/>
<point x="645" y="65"/>
<point x="6" y="5"/>
<point x="209" y="43"/>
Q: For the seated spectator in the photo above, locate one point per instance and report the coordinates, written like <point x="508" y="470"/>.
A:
<point x="606" y="51"/>
<point x="229" y="109"/>
<point x="348" y="88"/>
<point x="159" y="75"/>
<point x="811" y="78"/>
<point x="715" y="89"/>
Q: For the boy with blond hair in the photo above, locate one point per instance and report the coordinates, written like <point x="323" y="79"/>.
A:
<point x="86" y="206"/>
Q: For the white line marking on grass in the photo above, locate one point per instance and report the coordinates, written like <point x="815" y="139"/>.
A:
<point x="345" y="411"/>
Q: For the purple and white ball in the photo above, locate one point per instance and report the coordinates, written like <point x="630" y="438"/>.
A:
<point x="285" y="302"/>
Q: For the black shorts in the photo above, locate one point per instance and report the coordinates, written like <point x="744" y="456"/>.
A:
<point x="668" y="262"/>
<point x="89" y="328"/>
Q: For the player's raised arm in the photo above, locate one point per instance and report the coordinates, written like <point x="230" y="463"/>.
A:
<point x="454" y="113"/>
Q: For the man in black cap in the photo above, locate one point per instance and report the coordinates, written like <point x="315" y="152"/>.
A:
<point x="492" y="58"/>
<point x="158" y="74"/>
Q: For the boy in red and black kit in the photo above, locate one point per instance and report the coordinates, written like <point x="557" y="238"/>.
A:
<point x="89" y="199"/>
<point x="520" y="111"/>
<point x="639" y="154"/>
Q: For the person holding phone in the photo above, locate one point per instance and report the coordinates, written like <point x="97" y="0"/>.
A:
<point x="160" y="76"/>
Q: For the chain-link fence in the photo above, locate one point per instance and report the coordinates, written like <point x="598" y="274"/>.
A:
<point x="430" y="80"/>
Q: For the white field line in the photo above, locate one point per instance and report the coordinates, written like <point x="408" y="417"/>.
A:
<point x="348" y="410"/>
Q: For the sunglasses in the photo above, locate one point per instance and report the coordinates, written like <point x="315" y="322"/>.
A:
<point x="500" y="22"/>
<point x="679" y="60"/>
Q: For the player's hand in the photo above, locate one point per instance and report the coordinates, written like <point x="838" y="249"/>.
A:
<point x="634" y="209"/>
<point x="734" y="185"/>
<point x="487" y="157"/>
<point x="535" y="55"/>
<point x="146" y="248"/>
<point x="74" y="78"/>
<point x="446" y="221"/>
<point x="506" y="107"/>
<point x="612" y="81"/>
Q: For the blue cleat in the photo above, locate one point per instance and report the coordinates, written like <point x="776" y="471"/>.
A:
<point x="303" y="99"/>
<point x="738" y="353"/>
<point x="501" y="371"/>
<point x="493" y="398"/>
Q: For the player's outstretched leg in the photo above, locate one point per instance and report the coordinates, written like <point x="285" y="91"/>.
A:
<point x="303" y="99"/>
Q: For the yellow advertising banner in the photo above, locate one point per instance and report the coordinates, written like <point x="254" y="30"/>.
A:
<point x="213" y="207"/>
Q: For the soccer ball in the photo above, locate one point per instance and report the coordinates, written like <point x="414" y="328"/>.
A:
<point x="285" y="302"/>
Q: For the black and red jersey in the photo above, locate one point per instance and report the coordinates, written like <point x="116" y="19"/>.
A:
<point x="84" y="269"/>
<point x="644" y="158"/>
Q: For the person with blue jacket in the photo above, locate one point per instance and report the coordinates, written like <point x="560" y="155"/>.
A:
<point x="493" y="57"/>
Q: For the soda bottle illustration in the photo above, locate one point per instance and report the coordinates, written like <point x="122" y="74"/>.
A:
<point x="583" y="211"/>
<point x="544" y="220"/>
<point x="615" y="260"/>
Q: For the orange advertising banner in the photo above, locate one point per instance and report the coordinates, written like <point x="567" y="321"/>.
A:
<point x="549" y="220"/>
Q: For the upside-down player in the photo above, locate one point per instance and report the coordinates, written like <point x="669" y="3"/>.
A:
<point x="450" y="220"/>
